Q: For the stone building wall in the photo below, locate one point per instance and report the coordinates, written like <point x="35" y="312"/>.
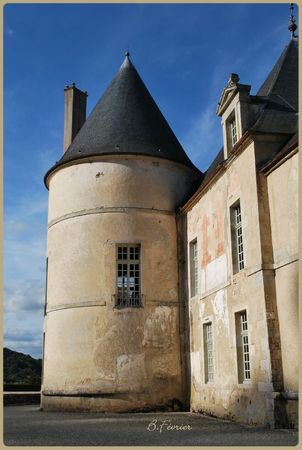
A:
<point x="283" y="193"/>
<point x="222" y="294"/>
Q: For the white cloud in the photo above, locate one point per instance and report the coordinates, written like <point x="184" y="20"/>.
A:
<point x="24" y="258"/>
<point x="24" y="340"/>
<point x="25" y="228"/>
<point x="32" y="206"/>
<point x="14" y="225"/>
<point x="26" y="214"/>
<point x="29" y="249"/>
<point x="25" y="296"/>
<point x="24" y="330"/>
<point x="204" y="139"/>
<point x="47" y="158"/>
<point x="27" y="206"/>
<point x="20" y="334"/>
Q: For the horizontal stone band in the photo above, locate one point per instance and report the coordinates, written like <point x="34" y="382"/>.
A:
<point x="116" y="209"/>
<point x="75" y="305"/>
<point x="104" y="303"/>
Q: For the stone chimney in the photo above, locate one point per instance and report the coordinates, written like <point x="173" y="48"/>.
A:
<point x="75" y="113"/>
<point x="233" y="80"/>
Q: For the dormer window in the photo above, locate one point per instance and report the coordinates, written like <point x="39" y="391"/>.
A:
<point x="235" y="111"/>
<point x="233" y="131"/>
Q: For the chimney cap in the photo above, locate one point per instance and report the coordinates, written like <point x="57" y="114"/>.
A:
<point x="233" y="80"/>
<point x="73" y="86"/>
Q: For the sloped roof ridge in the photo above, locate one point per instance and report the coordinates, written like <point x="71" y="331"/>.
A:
<point x="281" y="80"/>
<point x="274" y="73"/>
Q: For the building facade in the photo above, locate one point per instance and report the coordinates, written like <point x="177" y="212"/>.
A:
<point x="169" y="288"/>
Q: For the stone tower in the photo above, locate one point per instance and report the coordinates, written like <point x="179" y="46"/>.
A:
<point x="112" y="312"/>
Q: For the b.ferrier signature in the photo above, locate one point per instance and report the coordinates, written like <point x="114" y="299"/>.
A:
<point x="166" y="425"/>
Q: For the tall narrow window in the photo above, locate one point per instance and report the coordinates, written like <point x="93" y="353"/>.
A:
<point x="243" y="351"/>
<point x="233" y="131"/>
<point x="194" y="267"/>
<point x="208" y="352"/>
<point x="128" y="276"/>
<point x="237" y="241"/>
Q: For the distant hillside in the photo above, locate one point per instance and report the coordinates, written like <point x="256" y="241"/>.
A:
<point x="20" y="368"/>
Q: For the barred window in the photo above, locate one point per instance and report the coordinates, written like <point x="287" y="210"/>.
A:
<point x="237" y="239"/>
<point x="128" y="276"/>
<point x="208" y="352"/>
<point x="194" y="267"/>
<point x="243" y="351"/>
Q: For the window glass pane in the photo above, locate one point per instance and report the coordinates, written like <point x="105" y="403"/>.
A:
<point x="208" y="353"/>
<point x="233" y="131"/>
<point x="194" y="267"/>
<point x="128" y="276"/>
<point x="243" y="353"/>
<point x="237" y="241"/>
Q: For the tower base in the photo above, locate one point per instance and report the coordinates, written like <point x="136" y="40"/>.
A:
<point x="106" y="403"/>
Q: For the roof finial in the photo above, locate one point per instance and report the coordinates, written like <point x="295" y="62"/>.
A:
<point x="127" y="61"/>
<point x="292" y="26"/>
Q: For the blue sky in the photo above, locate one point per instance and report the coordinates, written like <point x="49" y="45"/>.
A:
<point x="184" y="53"/>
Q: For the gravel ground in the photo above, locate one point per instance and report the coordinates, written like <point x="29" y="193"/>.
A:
<point x="26" y="425"/>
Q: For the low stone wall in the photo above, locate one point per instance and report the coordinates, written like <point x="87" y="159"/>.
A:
<point x="21" y="387"/>
<point x="21" y="398"/>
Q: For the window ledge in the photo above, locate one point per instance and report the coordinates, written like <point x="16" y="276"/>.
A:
<point x="245" y="384"/>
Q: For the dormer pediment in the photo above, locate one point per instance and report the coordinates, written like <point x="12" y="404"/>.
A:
<point x="227" y="96"/>
<point x="233" y="108"/>
<point x="229" y="93"/>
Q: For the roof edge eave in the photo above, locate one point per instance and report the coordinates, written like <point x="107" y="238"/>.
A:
<point x="245" y="140"/>
<point x="279" y="158"/>
<point x="97" y="157"/>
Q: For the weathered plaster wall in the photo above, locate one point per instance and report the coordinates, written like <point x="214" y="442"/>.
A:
<point x="96" y="356"/>
<point x="283" y="201"/>
<point x="222" y="294"/>
<point x="118" y="181"/>
<point x="284" y="206"/>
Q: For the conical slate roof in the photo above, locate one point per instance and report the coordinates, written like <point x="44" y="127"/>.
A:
<point x="126" y="120"/>
<point x="281" y="85"/>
